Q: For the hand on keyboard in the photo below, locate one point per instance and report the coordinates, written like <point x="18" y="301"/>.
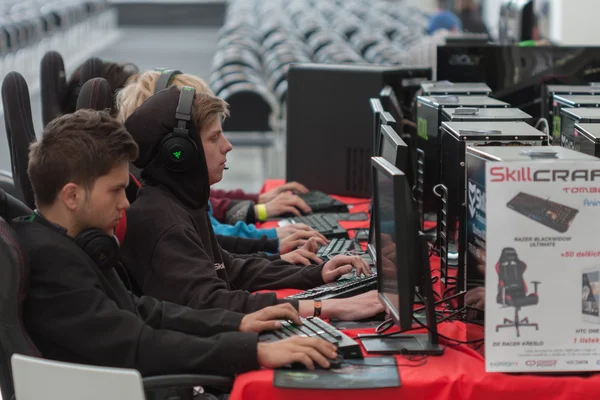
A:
<point x="287" y="202"/>
<point x="341" y="265"/>
<point x="269" y="318"/>
<point x="355" y="308"/>
<point x="290" y="186"/>
<point x="306" y="255"/>
<point x="297" y="349"/>
<point x="288" y="230"/>
<point x="299" y="238"/>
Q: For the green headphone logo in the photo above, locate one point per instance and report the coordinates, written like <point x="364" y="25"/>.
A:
<point x="177" y="154"/>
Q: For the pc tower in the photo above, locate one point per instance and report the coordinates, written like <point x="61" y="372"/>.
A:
<point x="586" y="139"/>
<point x="456" y="138"/>
<point x="329" y="122"/>
<point x="592" y="89"/>
<point x="569" y="118"/>
<point x="562" y="101"/>
<point x="441" y="88"/>
<point x="477" y="201"/>
<point x="429" y="118"/>
<point x="471" y="114"/>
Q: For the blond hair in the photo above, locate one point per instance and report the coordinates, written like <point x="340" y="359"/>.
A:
<point x="207" y="107"/>
<point x="140" y="88"/>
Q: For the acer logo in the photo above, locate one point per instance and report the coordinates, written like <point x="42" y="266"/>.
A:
<point x="464" y="60"/>
<point x="526" y="174"/>
<point x="476" y="199"/>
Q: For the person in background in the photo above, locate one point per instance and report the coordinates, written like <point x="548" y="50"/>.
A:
<point x="470" y="17"/>
<point x="233" y="213"/>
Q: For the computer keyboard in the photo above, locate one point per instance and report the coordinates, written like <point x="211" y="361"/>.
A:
<point x="315" y="327"/>
<point x="554" y="215"/>
<point x="322" y="202"/>
<point x="325" y="224"/>
<point x="334" y="247"/>
<point x="339" y="289"/>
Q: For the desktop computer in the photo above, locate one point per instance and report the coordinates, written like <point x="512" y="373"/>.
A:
<point x="429" y="119"/>
<point x="456" y="138"/>
<point x="329" y="122"/>
<point x="569" y="118"/>
<point x="560" y="102"/>
<point x="586" y="139"/>
<point x="472" y="114"/>
<point x="566" y="90"/>
<point x="440" y="88"/>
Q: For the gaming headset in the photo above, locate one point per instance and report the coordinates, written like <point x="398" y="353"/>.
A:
<point x="103" y="249"/>
<point x="177" y="149"/>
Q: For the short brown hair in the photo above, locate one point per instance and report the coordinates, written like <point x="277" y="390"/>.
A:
<point x="207" y="108"/>
<point x="78" y="148"/>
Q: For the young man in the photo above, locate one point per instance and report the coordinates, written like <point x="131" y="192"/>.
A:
<point x="77" y="308"/>
<point x="170" y="248"/>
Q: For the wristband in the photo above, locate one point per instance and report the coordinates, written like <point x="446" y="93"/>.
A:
<point x="318" y="305"/>
<point x="261" y="212"/>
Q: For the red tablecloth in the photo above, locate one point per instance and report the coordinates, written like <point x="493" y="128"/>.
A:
<point x="458" y="374"/>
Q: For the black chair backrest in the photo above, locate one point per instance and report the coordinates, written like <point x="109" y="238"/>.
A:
<point x="11" y="207"/>
<point x="510" y="272"/>
<point x="92" y="68"/>
<point x="19" y="130"/>
<point x="14" y="273"/>
<point x="95" y="94"/>
<point x="53" y="82"/>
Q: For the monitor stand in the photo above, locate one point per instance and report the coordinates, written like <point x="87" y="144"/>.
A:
<point x="420" y="343"/>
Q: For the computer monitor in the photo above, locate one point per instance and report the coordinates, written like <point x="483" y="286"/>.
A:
<point x="390" y="103"/>
<point x="402" y="262"/>
<point x="393" y="149"/>
<point x="517" y="75"/>
<point x="376" y="109"/>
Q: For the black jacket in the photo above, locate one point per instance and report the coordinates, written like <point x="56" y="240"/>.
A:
<point x="170" y="248"/>
<point x="77" y="313"/>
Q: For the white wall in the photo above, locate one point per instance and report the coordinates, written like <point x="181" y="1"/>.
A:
<point x="572" y="22"/>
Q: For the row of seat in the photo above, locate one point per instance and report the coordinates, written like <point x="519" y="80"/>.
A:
<point x="261" y="39"/>
<point x="30" y="28"/>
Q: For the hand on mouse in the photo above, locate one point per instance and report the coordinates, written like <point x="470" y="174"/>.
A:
<point x="284" y="203"/>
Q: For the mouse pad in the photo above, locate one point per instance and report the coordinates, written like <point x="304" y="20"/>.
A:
<point x="368" y="373"/>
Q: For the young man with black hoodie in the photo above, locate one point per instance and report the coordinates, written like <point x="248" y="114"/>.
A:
<point x="170" y="248"/>
<point x="77" y="308"/>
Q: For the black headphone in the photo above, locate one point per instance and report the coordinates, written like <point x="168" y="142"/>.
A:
<point x="165" y="78"/>
<point x="177" y="149"/>
<point x="100" y="247"/>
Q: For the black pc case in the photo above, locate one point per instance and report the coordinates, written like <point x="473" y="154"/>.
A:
<point x="330" y="123"/>
<point x="429" y="118"/>
<point x="586" y="139"/>
<point x="467" y="114"/>
<point x="456" y="138"/>
<point x="592" y="89"/>
<point x="575" y="101"/>
<point x="571" y="116"/>
<point x="437" y="88"/>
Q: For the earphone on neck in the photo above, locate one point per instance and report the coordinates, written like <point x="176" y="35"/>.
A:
<point x="103" y="249"/>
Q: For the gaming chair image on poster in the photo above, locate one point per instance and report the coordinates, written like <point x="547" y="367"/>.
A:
<point x="512" y="289"/>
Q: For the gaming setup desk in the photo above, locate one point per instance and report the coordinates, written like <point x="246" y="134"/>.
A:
<point x="374" y="161"/>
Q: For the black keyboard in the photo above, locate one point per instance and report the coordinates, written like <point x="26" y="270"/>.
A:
<point x="327" y="225"/>
<point x="554" y="215"/>
<point x="339" y="289"/>
<point x="322" y="202"/>
<point x="315" y="327"/>
<point x="334" y="247"/>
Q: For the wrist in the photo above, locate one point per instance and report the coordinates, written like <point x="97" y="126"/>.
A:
<point x="261" y="212"/>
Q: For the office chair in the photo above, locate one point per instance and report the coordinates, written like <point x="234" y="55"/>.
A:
<point x="512" y="289"/>
<point x="14" y="276"/>
<point x="53" y="85"/>
<point x="19" y="130"/>
<point x="96" y="94"/>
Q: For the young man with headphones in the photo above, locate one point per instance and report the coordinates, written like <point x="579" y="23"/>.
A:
<point x="170" y="248"/>
<point x="77" y="309"/>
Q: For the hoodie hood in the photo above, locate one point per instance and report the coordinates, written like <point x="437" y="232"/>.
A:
<point x="148" y="125"/>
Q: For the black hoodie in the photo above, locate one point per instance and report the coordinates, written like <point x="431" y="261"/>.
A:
<point x="170" y="248"/>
